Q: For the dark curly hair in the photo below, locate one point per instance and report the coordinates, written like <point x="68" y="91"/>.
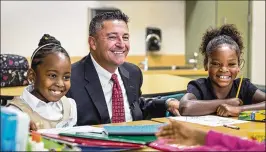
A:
<point x="47" y="45"/>
<point x="214" y="38"/>
<point x="97" y="22"/>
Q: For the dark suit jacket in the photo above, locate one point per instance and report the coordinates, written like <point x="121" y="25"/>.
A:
<point x="87" y="91"/>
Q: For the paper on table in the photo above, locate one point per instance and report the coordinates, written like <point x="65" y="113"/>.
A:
<point x="208" y="120"/>
<point x="77" y="129"/>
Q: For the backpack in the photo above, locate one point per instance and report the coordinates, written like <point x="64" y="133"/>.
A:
<point x="13" y="70"/>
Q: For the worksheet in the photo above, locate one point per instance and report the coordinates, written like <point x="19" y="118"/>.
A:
<point x="71" y="130"/>
<point x="208" y="120"/>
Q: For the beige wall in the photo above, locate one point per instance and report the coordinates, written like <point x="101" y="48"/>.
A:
<point x="23" y="24"/>
<point x="258" y="43"/>
<point x="200" y="15"/>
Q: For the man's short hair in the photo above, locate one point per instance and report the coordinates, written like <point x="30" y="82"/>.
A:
<point x="97" y="21"/>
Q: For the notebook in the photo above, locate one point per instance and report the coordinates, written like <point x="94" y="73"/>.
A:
<point x="93" y="142"/>
<point x="208" y="120"/>
<point x="128" y="139"/>
<point x="71" y="129"/>
<point x="132" y="129"/>
<point x="83" y="146"/>
<point x="59" y="145"/>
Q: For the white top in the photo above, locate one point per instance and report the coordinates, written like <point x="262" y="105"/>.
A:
<point x="51" y="110"/>
<point x="107" y="85"/>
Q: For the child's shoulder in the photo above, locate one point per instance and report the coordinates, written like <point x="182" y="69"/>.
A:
<point x="245" y="81"/>
<point x="65" y="98"/>
<point x="199" y="81"/>
<point x="19" y="103"/>
<point x="71" y="101"/>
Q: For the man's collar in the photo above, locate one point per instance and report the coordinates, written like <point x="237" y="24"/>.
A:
<point x="104" y="75"/>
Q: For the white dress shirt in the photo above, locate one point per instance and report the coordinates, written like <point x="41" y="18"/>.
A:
<point x="107" y="86"/>
<point x="50" y="110"/>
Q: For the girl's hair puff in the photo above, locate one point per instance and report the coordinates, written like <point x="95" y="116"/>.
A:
<point x="214" y="38"/>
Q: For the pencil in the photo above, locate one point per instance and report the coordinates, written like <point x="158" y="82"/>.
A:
<point x="232" y="127"/>
<point x="239" y="86"/>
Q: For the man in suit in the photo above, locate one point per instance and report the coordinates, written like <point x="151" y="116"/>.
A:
<point x="100" y="98"/>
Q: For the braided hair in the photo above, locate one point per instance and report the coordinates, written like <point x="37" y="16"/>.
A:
<point x="47" y="45"/>
<point x="215" y="38"/>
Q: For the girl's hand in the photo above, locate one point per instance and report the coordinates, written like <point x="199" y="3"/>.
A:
<point x="235" y="102"/>
<point x="33" y="126"/>
<point x="182" y="134"/>
<point x="226" y="110"/>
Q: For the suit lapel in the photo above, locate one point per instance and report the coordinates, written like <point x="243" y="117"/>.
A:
<point x="129" y="85"/>
<point x="95" y="91"/>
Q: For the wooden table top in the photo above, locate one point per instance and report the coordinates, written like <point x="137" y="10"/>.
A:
<point x="163" y="83"/>
<point x="183" y="72"/>
<point x="242" y="132"/>
<point x="152" y="84"/>
<point x="11" y="91"/>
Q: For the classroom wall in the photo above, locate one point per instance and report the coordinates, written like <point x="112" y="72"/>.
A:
<point x="258" y="43"/>
<point x="237" y="12"/>
<point x="200" y="15"/>
<point x="23" y="23"/>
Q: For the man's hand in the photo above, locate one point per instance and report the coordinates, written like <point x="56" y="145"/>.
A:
<point x="234" y="102"/>
<point x="173" y="106"/>
<point x="33" y="126"/>
<point x="182" y="134"/>
<point x="226" y="110"/>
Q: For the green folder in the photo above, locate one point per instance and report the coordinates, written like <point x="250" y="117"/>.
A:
<point x="128" y="139"/>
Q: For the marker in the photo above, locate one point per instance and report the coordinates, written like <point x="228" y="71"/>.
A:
<point x="232" y="127"/>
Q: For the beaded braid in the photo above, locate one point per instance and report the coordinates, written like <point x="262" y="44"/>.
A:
<point x="47" y="45"/>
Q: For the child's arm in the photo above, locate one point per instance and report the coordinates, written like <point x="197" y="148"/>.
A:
<point x="227" y="110"/>
<point x="258" y="101"/>
<point x="32" y="125"/>
<point x="257" y="106"/>
<point x="259" y="96"/>
<point x="189" y="105"/>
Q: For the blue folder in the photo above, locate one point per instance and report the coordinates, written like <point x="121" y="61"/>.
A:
<point x="132" y="129"/>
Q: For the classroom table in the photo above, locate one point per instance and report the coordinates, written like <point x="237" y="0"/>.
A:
<point x="7" y="93"/>
<point x="140" y="122"/>
<point x="163" y="84"/>
<point x="11" y="91"/>
<point x="181" y="72"/>
<point x="242" y="132"/>
<point x="152" y="84"/>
